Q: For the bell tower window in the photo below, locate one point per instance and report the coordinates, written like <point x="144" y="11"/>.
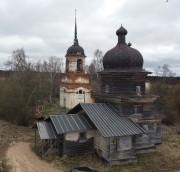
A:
<point x="79" y="65"/>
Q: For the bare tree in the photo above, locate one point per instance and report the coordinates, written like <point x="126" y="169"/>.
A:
<point x="55" y="67"/>
<point x="98" y="60"/>
<point x="18" y="61"/>
<point x="164" y="71"/>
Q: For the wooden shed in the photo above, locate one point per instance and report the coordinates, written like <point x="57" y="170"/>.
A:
<point x="71" y="134"/>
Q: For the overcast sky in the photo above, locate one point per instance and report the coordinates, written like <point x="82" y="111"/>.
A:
<point x="46" y="28"/>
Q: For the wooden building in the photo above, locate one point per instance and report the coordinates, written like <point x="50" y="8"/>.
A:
<point x="93" y="127"/>
<point x="123" y="85"/>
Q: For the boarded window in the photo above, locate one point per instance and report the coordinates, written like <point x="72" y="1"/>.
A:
<point x="124" y="143"/>
<point x="106" y="88"/>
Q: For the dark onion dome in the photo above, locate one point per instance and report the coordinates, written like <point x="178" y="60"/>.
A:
<point x="75" y="49"/>
<point x="122" y="56"/>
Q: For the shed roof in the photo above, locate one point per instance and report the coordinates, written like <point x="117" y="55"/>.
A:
<point x="46" y="130"/>
<point x="108" y="121"/>
<point x="71" y="123"/>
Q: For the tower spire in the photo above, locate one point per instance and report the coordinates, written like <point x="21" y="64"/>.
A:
<point x="75" y="32"/>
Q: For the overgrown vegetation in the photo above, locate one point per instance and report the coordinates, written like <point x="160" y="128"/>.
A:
<point x="169" y="94"/>
<point x="28" y="85"/>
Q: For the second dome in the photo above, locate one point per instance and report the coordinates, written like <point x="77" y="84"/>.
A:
<point x="122" y="56"/>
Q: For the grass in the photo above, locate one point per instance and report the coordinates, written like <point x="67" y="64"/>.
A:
<point x="164" y="159"/>
<point x="53" y="110"/>
<point x="171" y="139"/>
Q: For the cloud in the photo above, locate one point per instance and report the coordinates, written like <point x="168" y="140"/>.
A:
<point x="46" y="27"/>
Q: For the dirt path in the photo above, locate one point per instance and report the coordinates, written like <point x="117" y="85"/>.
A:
<point x="22" y="159"/>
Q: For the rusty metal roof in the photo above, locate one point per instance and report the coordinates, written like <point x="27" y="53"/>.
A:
<point x="71" y="123"/>
<point x="108" y="121"/>
<point x="46" y="130"/>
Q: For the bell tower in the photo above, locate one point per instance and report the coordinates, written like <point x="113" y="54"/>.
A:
<point x="75" y="86"/>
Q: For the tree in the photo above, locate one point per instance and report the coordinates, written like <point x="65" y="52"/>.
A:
<point x="55" y="67"/>
<point x="97" y="62"/>
<point x="18" y="61"/>
<point x="164" y="74"/>
<point x="49" y="73"/>
<point x="18" y="91"/>
<point x="168" y="101"/>
<point x="164" y="71"/>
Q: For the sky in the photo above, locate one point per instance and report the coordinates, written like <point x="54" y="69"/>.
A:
<point x="45" y="28"/>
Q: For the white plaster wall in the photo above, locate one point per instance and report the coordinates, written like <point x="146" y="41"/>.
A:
<point x="72" y="66"/>
<point x="72" y="136"/>
<point x="72" y="99"/>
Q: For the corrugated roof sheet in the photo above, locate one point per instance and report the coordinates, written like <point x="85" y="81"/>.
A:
<point x="109" y="122"/>
<point x="71" y="123"/>
<point x="46" y="130"/>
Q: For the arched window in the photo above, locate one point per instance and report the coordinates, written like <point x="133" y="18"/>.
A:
<point x="79" y="65"/>
<point x="80" y="91"/>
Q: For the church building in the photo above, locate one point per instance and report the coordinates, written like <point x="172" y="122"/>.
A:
<point x="121" y="123"/>
<point x="75" y="84"/>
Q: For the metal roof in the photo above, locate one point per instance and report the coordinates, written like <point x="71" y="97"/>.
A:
<point x="71" y="123"/>
<point x="46" y="130"/>
<point x="109" y="122"/>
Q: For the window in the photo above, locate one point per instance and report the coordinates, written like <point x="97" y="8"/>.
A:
<point x="124" y="143"/>
<point x="82" y="137"/>
<point x="138" y="90"/>
<point x="145" y="127"/>
<point x="80" y="92"/>
<point x="137" y="109"/>
<point x="79" y="65"/>
<point x="106" y="88"/>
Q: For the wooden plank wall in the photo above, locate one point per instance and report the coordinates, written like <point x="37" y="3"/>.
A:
<point x="101" y="145"/>
<point x="71" y="148"/>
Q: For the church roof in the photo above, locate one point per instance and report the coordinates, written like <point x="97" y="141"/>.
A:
<point x="107" y="120"/>
<point x="122" y="56"/>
